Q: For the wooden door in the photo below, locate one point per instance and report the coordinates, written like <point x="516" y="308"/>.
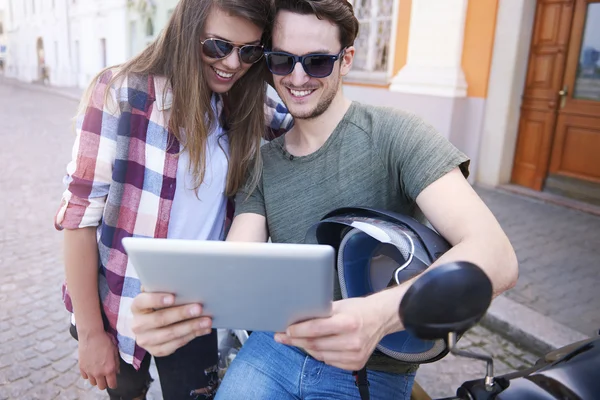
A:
<point x="576" y="147"/>
<point x="559" y="130"/>
<point x="545" y="71"/>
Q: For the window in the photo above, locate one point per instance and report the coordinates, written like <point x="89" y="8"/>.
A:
<point x="373" y="44"/>
<point x="103" y="53"/>
<point x="77" y="57"/>
<point x="149" y="28"/>
<point x="56" y="55"/>
<point x="133" y="34"/>
<point x="33" y="6"/>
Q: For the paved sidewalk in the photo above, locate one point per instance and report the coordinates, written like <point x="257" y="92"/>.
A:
<point x="559" y="258"/>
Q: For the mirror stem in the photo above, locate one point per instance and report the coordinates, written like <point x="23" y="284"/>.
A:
<point x="489" y="377"/>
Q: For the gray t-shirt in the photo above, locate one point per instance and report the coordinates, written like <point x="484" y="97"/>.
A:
<point x="376" y="157"/>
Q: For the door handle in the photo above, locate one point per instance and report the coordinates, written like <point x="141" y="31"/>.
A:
<point x="563" y="95"/>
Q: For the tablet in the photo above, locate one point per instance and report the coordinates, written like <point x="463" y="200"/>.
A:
<point x="251" y="286"/>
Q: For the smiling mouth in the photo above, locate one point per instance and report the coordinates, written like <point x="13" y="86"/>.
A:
<point x="301" y="93"/>
<point x="222" y="74"/>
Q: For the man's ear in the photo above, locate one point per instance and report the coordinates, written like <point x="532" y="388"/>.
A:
<point x="347" y="60"/>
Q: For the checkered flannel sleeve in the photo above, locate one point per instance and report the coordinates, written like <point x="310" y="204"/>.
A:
<point x="89" y="173"/>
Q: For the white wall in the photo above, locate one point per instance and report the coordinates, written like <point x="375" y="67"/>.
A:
<point x="71" y="35"/>
<point x="514" y="27"/>
<point x="92" y="21"/>
<point x="25" y="26"/>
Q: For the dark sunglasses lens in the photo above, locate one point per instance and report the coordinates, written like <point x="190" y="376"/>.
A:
<point x="215" y="48"/>
<point x="318" y="66"/>
<point x="280" y="64"/>
<point x="251" y="54"/>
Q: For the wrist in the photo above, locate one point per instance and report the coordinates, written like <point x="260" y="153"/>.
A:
<point x="87" y="329"/>
<point x="385" y="306"/>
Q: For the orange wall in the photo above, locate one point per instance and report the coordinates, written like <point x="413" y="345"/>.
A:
<point x="478" y="45"/>
<point x="402" y="35"/>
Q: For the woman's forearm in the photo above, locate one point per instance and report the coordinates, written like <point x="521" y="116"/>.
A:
<point x="81" y="270"/>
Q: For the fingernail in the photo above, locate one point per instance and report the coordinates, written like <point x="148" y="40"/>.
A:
<point x="168" y="300"/>
<point x="194" y="311"/>
<point x="204" y="324"/>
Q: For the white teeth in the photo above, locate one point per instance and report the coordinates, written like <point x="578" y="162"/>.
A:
<point x="223" y="74"/>
<point x="301" y="93"/>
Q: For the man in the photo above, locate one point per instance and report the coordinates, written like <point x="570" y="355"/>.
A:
<point x="339" y="153"/>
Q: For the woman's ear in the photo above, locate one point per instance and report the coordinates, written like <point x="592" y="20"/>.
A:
<point x="347" y="60"/>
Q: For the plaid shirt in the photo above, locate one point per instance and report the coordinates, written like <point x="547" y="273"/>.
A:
<point x="122" y="180"/>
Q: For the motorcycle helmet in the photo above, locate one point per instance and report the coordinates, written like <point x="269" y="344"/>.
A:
<point x="378" y="249"/>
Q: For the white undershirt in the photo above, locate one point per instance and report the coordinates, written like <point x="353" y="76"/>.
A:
<point x="201" y="216"/>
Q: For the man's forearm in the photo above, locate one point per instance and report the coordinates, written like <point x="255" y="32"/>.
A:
<point x="81" y="270"/>
<point x="499" y="263"/>
<point x="248" y="227"/>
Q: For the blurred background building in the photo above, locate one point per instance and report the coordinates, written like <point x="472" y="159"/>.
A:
<point x="66" y="42"/>
<point x="2" y="36"/>
<point x="513" y="83"/>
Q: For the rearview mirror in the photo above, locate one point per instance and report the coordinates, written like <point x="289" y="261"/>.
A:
<point x="450" y="298"/>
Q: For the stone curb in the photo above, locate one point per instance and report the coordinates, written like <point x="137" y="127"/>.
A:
<point x="528" y="328"/>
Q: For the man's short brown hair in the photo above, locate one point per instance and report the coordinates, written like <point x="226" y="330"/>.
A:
<point x="339" y="12"/>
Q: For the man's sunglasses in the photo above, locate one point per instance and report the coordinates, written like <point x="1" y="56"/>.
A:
<point x="219" y="48"/>
<point x="315" y="65"/>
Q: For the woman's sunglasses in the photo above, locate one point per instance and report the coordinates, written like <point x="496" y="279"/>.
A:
<point x="219" y="48"/>
<point x="315" y="65"/>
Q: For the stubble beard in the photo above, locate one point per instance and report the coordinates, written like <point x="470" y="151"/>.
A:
<point x="322" y="106"/>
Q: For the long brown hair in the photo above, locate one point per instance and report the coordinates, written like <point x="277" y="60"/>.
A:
<point x="176" y="55"/>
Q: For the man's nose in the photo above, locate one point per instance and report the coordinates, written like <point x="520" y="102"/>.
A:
<point x="298" y="76"/>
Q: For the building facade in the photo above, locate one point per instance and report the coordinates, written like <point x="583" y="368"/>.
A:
<point x="98" y="36"/>
<point x="66" y="42"/>
<point x="515" y="84"/>
<point x="37" y="41"/>
<point x="146" y="19"/>
<point x="3" y="44"/>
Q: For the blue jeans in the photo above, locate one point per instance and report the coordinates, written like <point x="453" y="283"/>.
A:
<point x="267" y="370"/>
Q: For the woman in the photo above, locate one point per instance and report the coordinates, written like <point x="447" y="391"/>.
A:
<point x="162" y="141"/>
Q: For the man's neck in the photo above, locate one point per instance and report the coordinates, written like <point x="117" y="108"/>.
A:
<point x="308" y="135"/>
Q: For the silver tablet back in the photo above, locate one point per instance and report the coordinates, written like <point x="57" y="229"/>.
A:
<point x="251" y="286"/>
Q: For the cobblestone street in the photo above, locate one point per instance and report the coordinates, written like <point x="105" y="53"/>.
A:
<point x="558" y="251"/>
<point x="38" y="358"/>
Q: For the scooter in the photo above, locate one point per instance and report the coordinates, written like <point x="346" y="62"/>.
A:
<point x="449" y="300"/>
